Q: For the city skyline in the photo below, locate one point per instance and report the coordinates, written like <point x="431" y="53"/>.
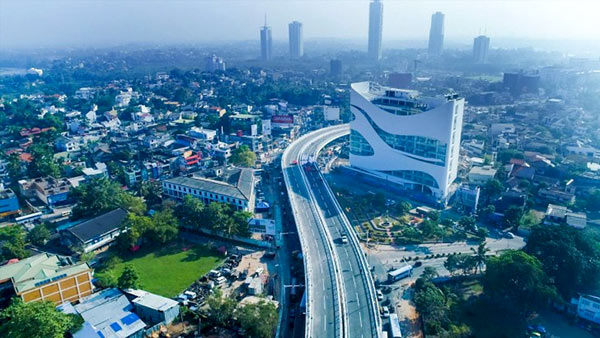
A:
<point x="125" y="22"/>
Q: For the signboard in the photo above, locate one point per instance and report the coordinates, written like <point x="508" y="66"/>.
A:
<point x="282" y="119"/>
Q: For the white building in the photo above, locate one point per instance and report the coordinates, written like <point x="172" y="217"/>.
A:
<point x="588" y="307"/>
<point x="406" y="139"/>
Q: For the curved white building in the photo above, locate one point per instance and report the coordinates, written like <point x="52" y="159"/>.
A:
<point x="406" y="139"/>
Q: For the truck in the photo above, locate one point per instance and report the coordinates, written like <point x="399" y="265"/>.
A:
<point x="398" y="274"/>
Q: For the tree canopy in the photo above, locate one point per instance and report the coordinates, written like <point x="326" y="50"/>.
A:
<point x="570" y="257"/>
<point x="103" y="195"/>
<point x="243" y="157"/>
<point x="129" y="278"/>
<point x="36" y="320"/>
<point x="259" y="320"/>
<point x="516" y="282"/>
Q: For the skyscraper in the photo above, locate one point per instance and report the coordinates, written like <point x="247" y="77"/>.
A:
<point x="375" y="29"/>
<point x="481" y="45"/>
<point x="266" y="42"/>
<point x="296" y="43"/>
<point x="335" y="68"/>
<point x="406" y="139"/>
<point x="436" y="34"/>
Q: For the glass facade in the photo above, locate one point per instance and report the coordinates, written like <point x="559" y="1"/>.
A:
<point x="415" y="145"/>
<point x="414" y="176"/>
<point x="359" y="145"/>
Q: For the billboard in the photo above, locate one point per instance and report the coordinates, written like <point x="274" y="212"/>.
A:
<point x="282" y="119"/>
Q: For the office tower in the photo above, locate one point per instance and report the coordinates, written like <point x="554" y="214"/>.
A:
<point x="402" y="138"/>
<point x="296" y="43"/>
<point x="335" y="68"/>
<point x="213" y="63"/>
<point x="375" y="29"/>
<point x="481" y="45"/>
<point x="266" y="42"/>
<point x="436" y="34"/>
<point x="521" y="82"/>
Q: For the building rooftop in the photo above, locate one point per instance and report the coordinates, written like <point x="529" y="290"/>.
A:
<point x="38" y="270"/>
<point x="98" y="225"/>
<point x="109" y="312"/>
<point x="238" y="185"/>
<point x="556" y="211"/>
<point x="151" y="301"/>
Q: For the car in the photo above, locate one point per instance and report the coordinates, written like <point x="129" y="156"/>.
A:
<point x="379" y="295"/>
<point x="385" y="312"/>
<point x="417" y="264"/>
<point x="294" y="162"/>
<point x="344" y="239"/>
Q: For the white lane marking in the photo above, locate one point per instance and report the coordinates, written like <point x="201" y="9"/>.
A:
<point x="357" y="300"/>
<point x="360" y="318"/>
<point x="354" y="281"/>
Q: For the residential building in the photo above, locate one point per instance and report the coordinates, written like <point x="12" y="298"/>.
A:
<point x="49" y="190"/>
<point x="296" y="39"/>
<point x="481" y="47"/>
<point x="557" y="214"/>
<point x="406" y="139"/>
<point x="467" y="196"/>
<point x="375" y="29"/>
<point x="266" y="42"/>
<point x="9" y="203"/>
<point x="94" y="234"/>
<point x="203" y="134"/>
<point x="67" y="144"/>
<point x="236" y="188"/>
<point x="480" y="175"/>
<point x="45" y="277"/>
<point x="436" y="34"/>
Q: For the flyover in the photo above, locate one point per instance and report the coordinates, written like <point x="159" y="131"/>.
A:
<point x="341" y="300"/>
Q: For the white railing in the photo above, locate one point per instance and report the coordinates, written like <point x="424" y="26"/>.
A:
<point x="355" y="243"/>
<point x="340" y="290"/>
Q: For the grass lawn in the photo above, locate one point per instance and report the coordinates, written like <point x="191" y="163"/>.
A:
<point x="168" y="270"/>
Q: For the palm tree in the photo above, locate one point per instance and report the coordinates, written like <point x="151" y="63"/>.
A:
<point x="480" y="255"/>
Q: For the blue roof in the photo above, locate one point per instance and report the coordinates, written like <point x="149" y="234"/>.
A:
<point x="130" y="319"/>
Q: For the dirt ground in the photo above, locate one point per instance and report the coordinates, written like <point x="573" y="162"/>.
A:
<point x="250" y="263"/>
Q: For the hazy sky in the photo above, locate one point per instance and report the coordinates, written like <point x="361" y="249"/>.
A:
<point x="31" y="23"/>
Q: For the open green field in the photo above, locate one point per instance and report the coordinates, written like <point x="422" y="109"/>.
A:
<point x="168" y="270"/>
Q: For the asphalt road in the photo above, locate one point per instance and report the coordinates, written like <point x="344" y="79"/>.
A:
<point x="322" y="299"/>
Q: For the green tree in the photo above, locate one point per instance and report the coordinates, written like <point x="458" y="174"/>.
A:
<point x="14" y="242"/>
<point x="512" y="217"/>
<point x="430" y="302"/>
<point x="516" y="282"/>
<point x="190" y="212"/>
<point x="467" y="223"/>
<point x="570" y="257"/>
<point x="36" y="320"/>
<point x="243" y="157"/>
<point x="221" y="309"/>
<point x="43" y="163"/>
<point x="129" y="278"/>
<point x="150" y="191"/>
<point x="164" y="227"/>
<point x="479" y="255"/>
<point x="403" y="207"/>
<point x="102" y="195"/>
<point x="39" y="235"/>
<point x="258" y="320"/>
<point x="240" y="223"/>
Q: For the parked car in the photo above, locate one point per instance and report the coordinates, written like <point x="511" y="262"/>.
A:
<point x="385" y="312"/>
<point x="417" y="264"/>
<point x="379" y="295"/>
